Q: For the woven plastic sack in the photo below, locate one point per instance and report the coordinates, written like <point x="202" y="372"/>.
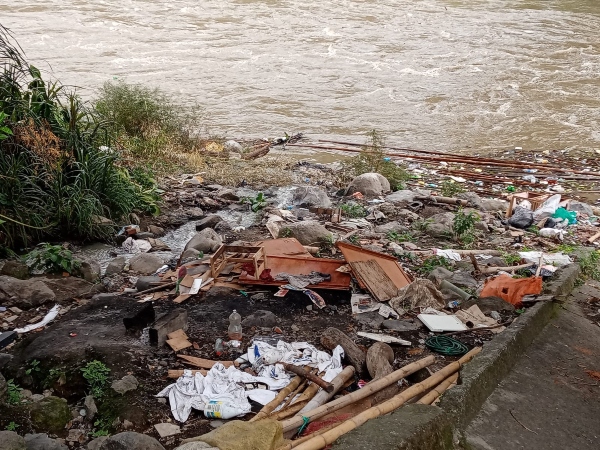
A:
<point x="511" y="289"/>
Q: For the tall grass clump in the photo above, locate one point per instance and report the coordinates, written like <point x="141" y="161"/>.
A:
<point x="60" y="172"/>
<point x="372" y="158"/>
<point x="148" y="127"/>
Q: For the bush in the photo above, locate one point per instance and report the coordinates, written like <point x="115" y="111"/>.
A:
<point x="372" y="158"/>
<point x="96" y="374"/>
<point x="52" y="259"/>
<point x="59" y="174"/>
<point x="463" y="226"/>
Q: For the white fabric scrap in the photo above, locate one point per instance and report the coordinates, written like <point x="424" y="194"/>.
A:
<point x="448" y="254"/>
<point x="556" y="259"/>
<point x="50" y="316"/>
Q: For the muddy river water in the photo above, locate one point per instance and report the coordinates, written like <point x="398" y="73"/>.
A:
<point x="438" y="74"/>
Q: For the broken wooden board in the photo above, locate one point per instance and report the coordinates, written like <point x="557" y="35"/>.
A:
<point x="176" y="373"/>
<point x="178" y="334"/>
<point x="181" y="298"/>
<point x="531" y="299"/>
<point x="383" y="338"/>
<point x="283" y="247"/>
<point x="388" y="263"/>
<point x="178" y="340"/>
<point x="203" y="363"/>
<point x="375" y="279"/>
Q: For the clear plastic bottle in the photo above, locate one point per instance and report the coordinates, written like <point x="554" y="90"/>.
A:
<point x="235" y="326"/>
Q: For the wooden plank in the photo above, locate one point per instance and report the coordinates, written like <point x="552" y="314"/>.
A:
<point x="187" y="281"/>
<point x="178" y="343"/>
<point x="203" y="363"/>
<point x="181" y="298"/>
<point x="179" y="334"/>
<point x="176" y="373"/>
<point x="375" y="279"/>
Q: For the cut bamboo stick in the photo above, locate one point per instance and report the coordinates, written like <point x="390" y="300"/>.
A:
<point x="434" y="394"/>
<point x="296" y="392"/>
<point x="369" y="389"/>
<point x="486" y="270"/>
<point x="291" y="444"/>
<point x="306" y="396"/>
<point x="269" y="407"/>
<point x="323" y="396"/>
<point x="321" y="441"/>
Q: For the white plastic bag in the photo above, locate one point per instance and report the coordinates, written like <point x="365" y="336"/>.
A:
<point x="548" y="208"/>
<point x="552" y="233"/>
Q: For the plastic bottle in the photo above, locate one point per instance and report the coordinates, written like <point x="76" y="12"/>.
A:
<point x="219" y="347"/>
<point x="235" y="326"/>
<point x="216" y="409"/>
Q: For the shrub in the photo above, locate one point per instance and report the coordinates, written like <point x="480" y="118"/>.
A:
<point x="96" y="374"/>
<point x="52" y="259"/>
<point x="463" y="226"/>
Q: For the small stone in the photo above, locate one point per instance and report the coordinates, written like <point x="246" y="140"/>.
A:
<point x="26" y="393"/>
<point x="15" y="310"/>
<point x="295" y="328"/>
<point x="167" y="429"/>
<point x="309" y="307"/>
<point x="90" y="407"/>
<point x="76" y="435"/>
<point x="11" y="319"/>
<point x="156" y="231"/>
<point x="35" y="319"/>
<point x="127" y="424"/>
<point x="162" y="400"/>
<point x="260" y="318"/>
<point x="37" y="397"/>
<point x="115" y="266"/>
<point x="126" y="384"/>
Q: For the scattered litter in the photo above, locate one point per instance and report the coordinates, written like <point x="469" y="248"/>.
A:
<point x="448" y="254"/>
<point x="383" y="338"/>
<point x="50" y="316"/>
<point x="363" y="303"/>
<point x="419" y="293"/>
<point x="555" y="259"/>
<point x="136" y="246"/>
<point x="445" y="345"/>
<point x="474" y="318"/>
<point x="386" y="311"/>
<point x="511" y="289"/>
<point x="437" y="323"/>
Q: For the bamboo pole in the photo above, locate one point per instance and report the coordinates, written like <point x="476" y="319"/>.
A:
<point x="323" y="396"/>
<point x="291" y="444"/>
<point x="372" y="387"/>
<point x="486" y="270"/>
<point x="269" y="407"/>
<point x="293" y="395"/>
<point x="306" y="396"/>
<point x="434" y="394"/>
<point x="321" y="441"/>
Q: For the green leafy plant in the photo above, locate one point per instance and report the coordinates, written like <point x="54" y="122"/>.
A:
<point x="101" y="427"/>
<point x="421" y="225"/>
<point x="33" y="367"/>
<point x="463" y="226"/>
<point x="450" y="188"/>
<point x="565" y="248"/>
<point x="510" y="259"/>
<point x="400" y="237"/>
<point x="52" y="259"/>
<point x="256" y="203"/>
<point x="353" y="210"/>
<point x="590" y="265"/>
<point x="285" y="232"/>
<point x="520" y="311"/>
<point x="431" y="263"/>
<point x="14" y="392"/>
<point x="12" y="426"/>
<point x="353" y="239"/>
<point x="55" y="375"/>
<point x="372" y="158"/>
<point x="5" y="132"/>
<point x="96" y="374"/>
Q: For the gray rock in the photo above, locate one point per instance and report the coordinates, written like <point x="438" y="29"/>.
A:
<point x="50" y="415"/>
<point x="166" y="429"/>
<point x="580" y="207"/>
<point x="521" y="218"/>
<point x="407" y="215"/>
<point x="208" y="222"/>
<point x="90" y="407"/>
<point x="199" y="445"/>
<point x="156" y="230"/>
<point x="115" y="266"/>
<point x="493" y="204"/>
<point x="260" y="318"/>
<point x="439" y="274"/>
<point x="15" y="269"/>
<point x="26" y="393"/>
<point x="205" y="241"/>
<point x="482" y="226"/>
<point x="488" y="304"/>
<point x="24" y="293"/>
<point x="194" y="213"/>
<point x="71" y="287"/>
<point x="307" y="232"/>
<point x="190" y="253"/>
<point x="9" y="440"/>
<point x="37" y="397"/>
<point x="90" y="271"/>
<point x="403" y="196"/>
<point x="233" y="146"/>
<point x="473" y="199"/>
<point x="145" y="264"/>
<point x="96" y="443"/>
<point x="42" y="442"/>
<point x="372" y="320"/>
<point x="158" y="245"/>
<point x="390" y="226"/>
<point x="144" y="235"/>
<point x="307" y="196"/>
<point x="222" y="227"/>
<point x="227" y="194"/>
<point x="5" y="358"/>
<point x="3" y="389"/>
<point x="130" y="440"/>
<point x="463" y="280"/>
<point x="441" y="224"/>
<point x="369" y="184"/>
<point x="401" y="325"/>
<point x="213" y="187"/>
<point x="125" y="384"/>
<point x="410" y="246"/>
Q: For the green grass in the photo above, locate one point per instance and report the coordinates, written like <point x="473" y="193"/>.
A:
<point x="450" y="188"/>
<point x="353" y="210"/>
<point x="590" y="265"/>
<point x="431" y="263"/>
<point x="400" y="237"/>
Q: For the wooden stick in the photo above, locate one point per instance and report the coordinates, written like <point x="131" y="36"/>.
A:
<point x="366" y="391"/>
<point x="328" y="387"/>
<point x="155" y="289"/>
<point x="594" y="237"/>
<point x="321" y="441"/>
<point x="324" y="396"/>
<point x="269" y="407"/>
<point x="434" y="394"/>
<point x="300" y="403"/>
<point x="176" y="373"/>
<point x="203" y="363"/>
<point x="485" y="270"/>
<point x="293" y="395"/>
<point x="290" y="445"/>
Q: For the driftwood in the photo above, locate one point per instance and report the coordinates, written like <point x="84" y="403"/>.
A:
<point x="332" y="337"/>
<point x="328" y="387"/>
<point x="269" y="407"/>
<point x="380" y="357"/>
<point x="323" y="397"/>
<point x="261" y="151"/>
<point x="486" y="270"/>
<point x="322" y="440"/>
<point x="369" y="389"/>
<point x="162" y="287"/>
<point x="434" y="394"/>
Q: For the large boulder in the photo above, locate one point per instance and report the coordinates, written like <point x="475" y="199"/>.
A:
<point x="42" y="442"/>
<point x="50" y="415"/>
<point x="369" y="184"/>
<point x="403" y="196"/>
<point x="306" y="196"/>
<point x="441" y="224"/>
<point x="131" y="441"/>
<point x="493" y="204"/>
<point x="71" y="287"/>
<point x="9" y="440"/>
<point x="390" y="227"/>
<point x="145" y="263"/>
<point x="24" y="293"/>
<point x="15" y="269"/>
<point x="205" y="241"/>
<point x="115" y="266"/>
<point x="308" y="232"/>
<point x="208" y="222"/>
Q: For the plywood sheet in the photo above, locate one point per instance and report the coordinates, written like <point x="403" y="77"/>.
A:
<point x="375" y="279"/>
